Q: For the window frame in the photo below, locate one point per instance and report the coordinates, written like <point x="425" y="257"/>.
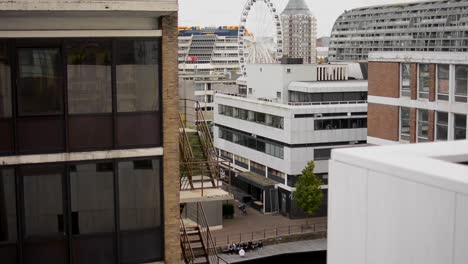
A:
<point x="418" y="115"/>
<point x="419" y="90"/>
<point x="442" y="96"/>
<point x="437" y="125"/>
<point x="407" y="137"/>
<point x="463" y="97"/>
<point x="405" y="92"/>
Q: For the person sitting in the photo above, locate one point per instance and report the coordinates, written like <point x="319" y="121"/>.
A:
<point x="241" y="253"/>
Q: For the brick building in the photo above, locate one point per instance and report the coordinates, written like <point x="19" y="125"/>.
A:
<point x="417" y="97"/>
<point x="88" y="132"/>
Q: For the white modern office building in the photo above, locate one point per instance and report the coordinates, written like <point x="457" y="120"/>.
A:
<point x="291" y="114"/>
<point x="399" y="204"/>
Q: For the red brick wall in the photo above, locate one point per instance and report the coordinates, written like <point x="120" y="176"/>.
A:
<point x="432" y="82"/>
<point x="383" y="121"/>
<point x="414" y="81"/>
<point x="413" y="125"/>
<point x="384" y="79"/>
<point x="431" y="135"/>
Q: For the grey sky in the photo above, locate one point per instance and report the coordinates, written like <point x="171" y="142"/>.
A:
<point x="227" y="12"/>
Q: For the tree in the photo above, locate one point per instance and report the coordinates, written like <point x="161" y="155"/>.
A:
<point x="308" y="194"/>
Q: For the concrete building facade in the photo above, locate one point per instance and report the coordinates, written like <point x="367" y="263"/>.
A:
<point x="291" y="114"/>
<point x="88" y="132"/>
<point x="299" y="31"/>
<point x="437" y="25"/>
<point x="417" y="97"/>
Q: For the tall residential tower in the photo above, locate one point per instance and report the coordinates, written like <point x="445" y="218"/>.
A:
<point x="300" y="31"/>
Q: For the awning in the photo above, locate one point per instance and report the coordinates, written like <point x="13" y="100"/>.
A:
<point x="257" y="180"/>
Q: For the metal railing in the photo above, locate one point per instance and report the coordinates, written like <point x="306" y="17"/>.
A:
<point x="200" y="169"/>
<point x="269" y="233"/>
<point x="327" y="103"/>
<point x="201" y="176"/>
<point x="198" y="215"/>
<point x="187" y="250"/>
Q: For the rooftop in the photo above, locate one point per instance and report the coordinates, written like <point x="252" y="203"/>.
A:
<point x="434" y="164"/>
<point x="415" y="56"/>
<point x="296" y="7"/>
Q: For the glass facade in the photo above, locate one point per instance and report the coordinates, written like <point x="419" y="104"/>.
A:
<point x="79" y="95"/>
<point x="252" y="116"/>
<point x="91" y="212"/>
<point x="301" y="97"/>
<point x="261" y="144"/>
<point x="345" y="123"/>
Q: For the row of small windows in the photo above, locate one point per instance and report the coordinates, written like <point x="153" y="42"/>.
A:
<point x="444" y="75"/>
<point x="442" y="127"/>
<point x="344" y="123"/>
<point x="247" y="140"/>
<point x="326" y="97"/>
<point x="252" y="116"/>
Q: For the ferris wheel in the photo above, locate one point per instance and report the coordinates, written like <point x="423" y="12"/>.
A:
<point x="260" y="37"/>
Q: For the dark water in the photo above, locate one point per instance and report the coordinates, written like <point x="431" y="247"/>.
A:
<point x="316" y="257"/>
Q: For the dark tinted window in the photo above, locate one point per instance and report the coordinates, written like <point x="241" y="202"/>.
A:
<point x="89" y="77"/>
<point x="43" y="207"/>
<point x="140" y="210"/>
<point x="8" y="236"/>
<point x="44" y="220"/>
<point x="92" y="195"/>
<point x="137" y="75"/>
<point x="92" y="212"/>
<point x="139" y="183"/>
<point x="5" y="81"/>
<point x="39" y="81"/>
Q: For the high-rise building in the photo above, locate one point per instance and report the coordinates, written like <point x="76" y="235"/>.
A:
<point x="437" y="25"/>
<point x="89" y="169"/>
<point x="299" y="31"/>
<point x="417" y="97"/>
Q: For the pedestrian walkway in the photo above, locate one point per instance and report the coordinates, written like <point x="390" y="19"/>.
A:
<point x="241" y="227"/>
<point x="278" y="249"/>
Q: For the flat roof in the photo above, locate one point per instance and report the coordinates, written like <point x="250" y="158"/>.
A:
<point x="329" y="86"/>
<point x="419" y="57"/>
<point x="435" y="164"/>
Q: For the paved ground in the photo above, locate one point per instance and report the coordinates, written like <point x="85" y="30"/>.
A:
<point x="256" y="225"/>
<point x="291" y="247"/>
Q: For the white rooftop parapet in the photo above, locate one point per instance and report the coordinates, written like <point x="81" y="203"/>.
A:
<point x="399" y="204"/>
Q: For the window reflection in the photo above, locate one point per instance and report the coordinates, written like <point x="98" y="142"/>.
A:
<point x="39" y="81"/>
<point x="5" y="82"/>
<point x="137" y="75"/>
<point x="89" y="77"/>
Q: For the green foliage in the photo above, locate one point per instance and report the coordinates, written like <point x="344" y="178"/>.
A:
<point x="308" y="194"/>
<point x="228" y="210"/>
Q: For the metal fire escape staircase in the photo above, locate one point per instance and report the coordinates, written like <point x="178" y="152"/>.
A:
<point x="200" y="173"/>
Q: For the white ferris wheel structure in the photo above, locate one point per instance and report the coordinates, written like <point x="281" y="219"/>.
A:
<point x="260" y="36"/>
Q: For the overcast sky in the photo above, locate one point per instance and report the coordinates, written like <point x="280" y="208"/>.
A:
<point x="227" y="12"/>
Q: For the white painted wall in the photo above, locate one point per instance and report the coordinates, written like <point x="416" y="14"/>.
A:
<point x="268" y="79"/>
<point x="399" y="204"/>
